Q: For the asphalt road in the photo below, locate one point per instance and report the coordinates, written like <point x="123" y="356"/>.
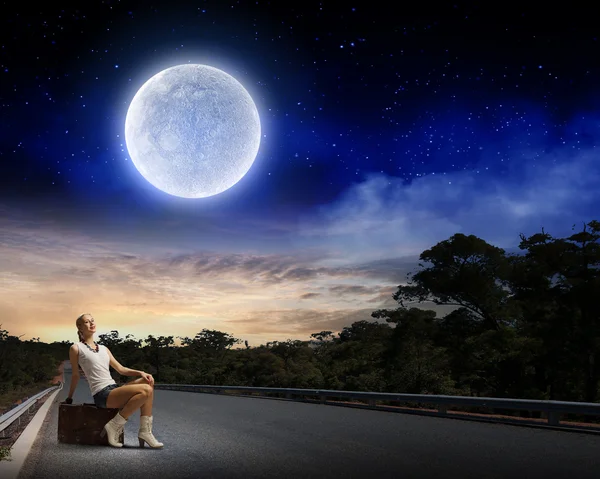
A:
<point x="213" y="436"/>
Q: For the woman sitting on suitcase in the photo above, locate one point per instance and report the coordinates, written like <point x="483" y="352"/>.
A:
<point x="95" y="360"/>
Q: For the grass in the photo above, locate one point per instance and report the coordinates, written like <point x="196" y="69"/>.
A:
<point x="17" y="394"/>
<point x="5" y="453"/>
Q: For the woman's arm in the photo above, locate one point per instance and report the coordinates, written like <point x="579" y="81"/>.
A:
<point x="122" y="370"/>
<point x="130" y="372"/>
<point x="74" y="358"/>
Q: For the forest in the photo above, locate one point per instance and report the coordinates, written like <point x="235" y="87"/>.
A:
<point x="525" y="325"/>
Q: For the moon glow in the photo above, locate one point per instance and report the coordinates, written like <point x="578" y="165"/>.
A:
<point x="192" y="131"/>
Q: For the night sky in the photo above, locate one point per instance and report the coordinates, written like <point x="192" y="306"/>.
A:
<point x="383" y="133"/>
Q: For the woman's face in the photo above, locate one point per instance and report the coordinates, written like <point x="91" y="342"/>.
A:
<point x="88" y="324"/>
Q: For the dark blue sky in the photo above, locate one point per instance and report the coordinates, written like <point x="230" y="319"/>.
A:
<point x="342" y="91"/>
<point x="384" y="132"/>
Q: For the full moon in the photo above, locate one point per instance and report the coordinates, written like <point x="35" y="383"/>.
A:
<point x="192" y="131"/>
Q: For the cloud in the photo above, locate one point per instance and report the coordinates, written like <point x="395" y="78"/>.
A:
<point x="53" y="277"/>
<point x="353" y="290"/>
<point x="384" y="217"/>
<point x="297" y="323"/>
<point x="309" y="295"/>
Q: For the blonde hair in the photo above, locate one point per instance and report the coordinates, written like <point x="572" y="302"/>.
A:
<point x="78" y="322"/>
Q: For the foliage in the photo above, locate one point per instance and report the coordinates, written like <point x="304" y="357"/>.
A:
<point x="27" y="364"/>
<point x="5" y="453"/>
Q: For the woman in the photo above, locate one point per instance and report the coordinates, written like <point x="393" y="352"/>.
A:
<point x="136" y="394"/>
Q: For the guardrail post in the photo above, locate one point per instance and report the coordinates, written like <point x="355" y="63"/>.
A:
<point x="288" y="395"/>
<point x="372" y="403"/>
<point x="323" y="398"/>
<point x="442" y="409"/>
<point x="553" y="418"/>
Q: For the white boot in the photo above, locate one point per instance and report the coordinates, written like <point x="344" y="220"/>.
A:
<point x="145" y="434"/>
<point x="113" y="429"/>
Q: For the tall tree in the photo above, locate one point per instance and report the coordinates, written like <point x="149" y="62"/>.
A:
<point x="463" y="271"/>
<point x="158" y="350"/>
<point x="565" y="273"/>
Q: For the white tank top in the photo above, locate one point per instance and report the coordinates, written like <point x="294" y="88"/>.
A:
<point x="96" y="367"/>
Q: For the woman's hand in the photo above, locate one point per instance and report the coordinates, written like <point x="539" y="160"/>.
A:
<point x="148" y="377"/>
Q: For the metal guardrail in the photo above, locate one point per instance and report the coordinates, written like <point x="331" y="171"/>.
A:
<point x="552" y="408"/>
<point x="15" y="414"/>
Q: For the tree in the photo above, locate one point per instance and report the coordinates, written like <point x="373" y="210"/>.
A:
<point x="414" y="363"/>
<point x="558" y="285"/>
<point x="288" y="350"/>
<point x="356" y="357"/>
<point x="464" y="271"/>
<point x="158" y="348"/>
<point x="211" y="342"/>
<point x="457" y="333"/>
<point x="111" y="340"/>
<point x="323" y="336"/>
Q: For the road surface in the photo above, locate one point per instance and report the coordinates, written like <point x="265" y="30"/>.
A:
<point x="214" y="436"/>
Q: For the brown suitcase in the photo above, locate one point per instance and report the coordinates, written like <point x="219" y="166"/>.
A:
<point x="83" y="423"/>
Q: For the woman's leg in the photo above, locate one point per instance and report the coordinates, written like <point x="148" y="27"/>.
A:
<point x="145" y="433"/>
<point x="146" y="409"/>
<point x="129" y="398"/>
